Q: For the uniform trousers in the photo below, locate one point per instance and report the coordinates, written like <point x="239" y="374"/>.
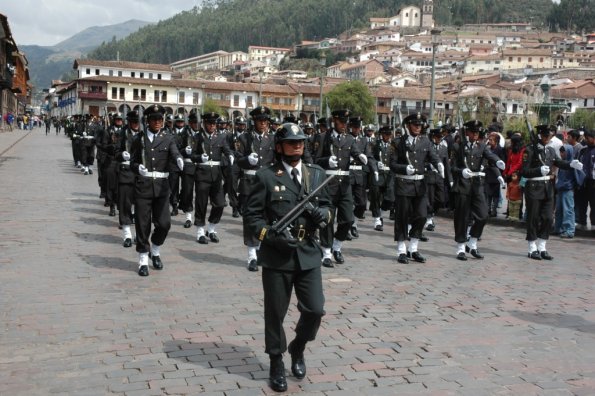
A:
<point x="231" y="176"/>
<point x="472" y="207"/>
<point x="341" y="210"/>
<point x="125" y="202"/>
<point x="360" y="198"/>
<point x="110" y="174"/>
<point x="277" y="287"/>
<point x="540" y="214"/>
<point x="174" y="187"/>
<point x="87" y="155"/>
<point x="410" y="210"/>
<point x="187" y="193"/>
<point x="147" y="211"/>
<point x="435" y="192"/>
<point x="205" y="190"/>
<point x="585" y="198"/>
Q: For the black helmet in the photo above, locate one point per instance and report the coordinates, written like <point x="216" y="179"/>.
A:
<point x="240" y="120"/>
<point x="118" y="116"/>
<point x="289" y="131"/>
<point x="222" y="120"/>
<point x="179" y="117"/>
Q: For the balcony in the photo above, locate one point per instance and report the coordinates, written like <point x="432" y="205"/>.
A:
<point x="6" y="80"/>
<point x="92" y="95"/>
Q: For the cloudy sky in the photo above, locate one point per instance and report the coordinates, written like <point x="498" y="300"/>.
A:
<point x="47" y="22"/>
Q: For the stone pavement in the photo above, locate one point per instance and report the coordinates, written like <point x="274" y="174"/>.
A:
<point x="78" y="320"/>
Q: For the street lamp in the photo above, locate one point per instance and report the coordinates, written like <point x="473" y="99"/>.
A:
<point x="260" y="76"/>
<point x="323" y="64"/>
<point x="202" y="103"/>
<point x="435" y="36"/>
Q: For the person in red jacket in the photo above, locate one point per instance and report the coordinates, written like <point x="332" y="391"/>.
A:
<point x="514" y="162"/>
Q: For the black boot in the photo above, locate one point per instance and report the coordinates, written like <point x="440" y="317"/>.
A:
<point x="277" y="379"/>
<point x="298" y="365"/>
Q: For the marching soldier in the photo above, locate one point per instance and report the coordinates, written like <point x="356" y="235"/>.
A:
<point x="359" y="173"/>
<point x="187" y="139"/>
<point x="150" y="155"/>
<point x="335" y="150"/>
<point x="408" y="161"/>
<point x="232" y="173"/>
<point x="468" y="188"/>
<point x="434" y="181"/>
<point x="178" y="131"/>
<point x="87" y="136"/>
<point x="256" y="150"/>
<point x="290" y="259"/>
<point x="107" y="144"/>
<point x="210" y="149"/>
<point x="382" y="192"/>
<point x="538" y="160"/>
<point x="126" y="176"/>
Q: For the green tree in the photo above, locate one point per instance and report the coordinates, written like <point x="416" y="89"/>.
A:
<point x="212" y="107"/>
<point x="355" y="96"/>
<point x="582" y="118"/>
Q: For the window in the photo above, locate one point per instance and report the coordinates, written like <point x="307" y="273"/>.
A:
<point x="88" y="71"/>
<point x="159" y="76"/>
<point x="164" y="96"/>
<point x="135" y="94"/>
<point x="249" y="101"/>
<point x="515" y="108"/>
<point x="236" y="100"/>
<point x="156" y="96"/>
<point x="530" y="59"/>
<point x="114" y="93"/>
<point x="142" y="75"/>
<point x="195" y="98"/>
<point x="122" y="93"/>
<point x="119" y="73"/>
<point x="518" y="59"/>
<point x="151" y="75"/>
<point x="132" y="74"/>
<point x="111" y="73"/>
<point x="403" y="104"/>
<point x="143" y="95"/>
<point x="418" y="105"/>
<point x="96" y="72"/>
<point x="510" y="58"/>
<point x="541" y="60"/>
<point x="181" y="97"/>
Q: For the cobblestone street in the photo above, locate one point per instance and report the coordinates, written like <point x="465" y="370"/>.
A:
<point x="78" y="320"/>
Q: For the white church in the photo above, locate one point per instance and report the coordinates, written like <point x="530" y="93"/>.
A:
<point x="408" y="17"/>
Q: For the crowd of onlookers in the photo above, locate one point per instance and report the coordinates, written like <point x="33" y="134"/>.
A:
<point x="25" y="121"/>
<point x="575" y="190"/>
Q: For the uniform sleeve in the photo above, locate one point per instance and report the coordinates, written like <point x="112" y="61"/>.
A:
<point x="254" y="214"/>
<point x="528" y="169"/>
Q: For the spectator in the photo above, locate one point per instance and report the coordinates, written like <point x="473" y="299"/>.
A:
<point x="585" y="194"/>
<point x="514" y="161"/>
<point x="493" y="178"/>
<point x="565" y="185"/>
<point x="572" y="138"/>
<point x="514" y="194"/>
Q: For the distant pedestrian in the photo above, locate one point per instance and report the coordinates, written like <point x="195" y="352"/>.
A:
<point x="565" y="184"/>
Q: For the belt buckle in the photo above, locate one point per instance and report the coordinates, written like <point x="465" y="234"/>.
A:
<point x="301" y="234"/>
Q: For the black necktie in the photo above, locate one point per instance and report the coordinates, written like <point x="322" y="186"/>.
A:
<point x="294" y="173"/>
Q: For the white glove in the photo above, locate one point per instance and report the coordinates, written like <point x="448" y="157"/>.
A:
<point x="180" y="163"/>
<point x="332" y="162"/>
<point x="142" y="170"/>
<point x="125" y="155"/>
<point x="380" y="166"/>
<point x="545" y="170"/>
<point x="363" y="159"/>
<point x="410" y="169"/>
<point x="253" y="159"/>
<point x="576" y="164"/>
<point x="500" y="164"/>
<point x="441" y="169"/>
<point x="466" y="173"/>
<point x="451" y="184"/>
<point x="188" y="150"/>
<point x="376" y="176"/>
<point x="501" y="181"/>
<point x="84" y="133"/>
<point x="204" y="157"/>
<point x="231" y="159"/>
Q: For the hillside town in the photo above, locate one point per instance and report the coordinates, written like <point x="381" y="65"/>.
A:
<point x="408" y="63"/>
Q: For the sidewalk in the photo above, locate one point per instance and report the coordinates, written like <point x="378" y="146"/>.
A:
<point x="78" y="320"/>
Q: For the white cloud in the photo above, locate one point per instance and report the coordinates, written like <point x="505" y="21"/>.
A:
<point x="47" y="22"/>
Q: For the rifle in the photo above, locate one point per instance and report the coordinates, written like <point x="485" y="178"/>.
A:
<point x="532" y="135"/>
<point x="304" y="205"/>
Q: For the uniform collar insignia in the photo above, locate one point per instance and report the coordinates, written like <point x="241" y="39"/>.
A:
<point x="279" y="172"/>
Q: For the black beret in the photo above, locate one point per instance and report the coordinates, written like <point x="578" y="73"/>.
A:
<point x="385" y="129"/>
<point x="357" y="120"/>
<point x="436" y="132"/>
<point x="210" y="117"/>
<point x="473" y="126"/>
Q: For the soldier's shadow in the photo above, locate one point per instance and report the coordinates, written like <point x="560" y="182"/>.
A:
<point x="106" y="222"/>
<point x="377" y="254"/>
<point x="104" y="238"/>
<point x="197" y="256"/>
<point x="101" y="212"/>
<point x="573" y="322"/>
<point x="84" y="194"/>
<point x="109" y="262"/>
<point x="219" y="356"/>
